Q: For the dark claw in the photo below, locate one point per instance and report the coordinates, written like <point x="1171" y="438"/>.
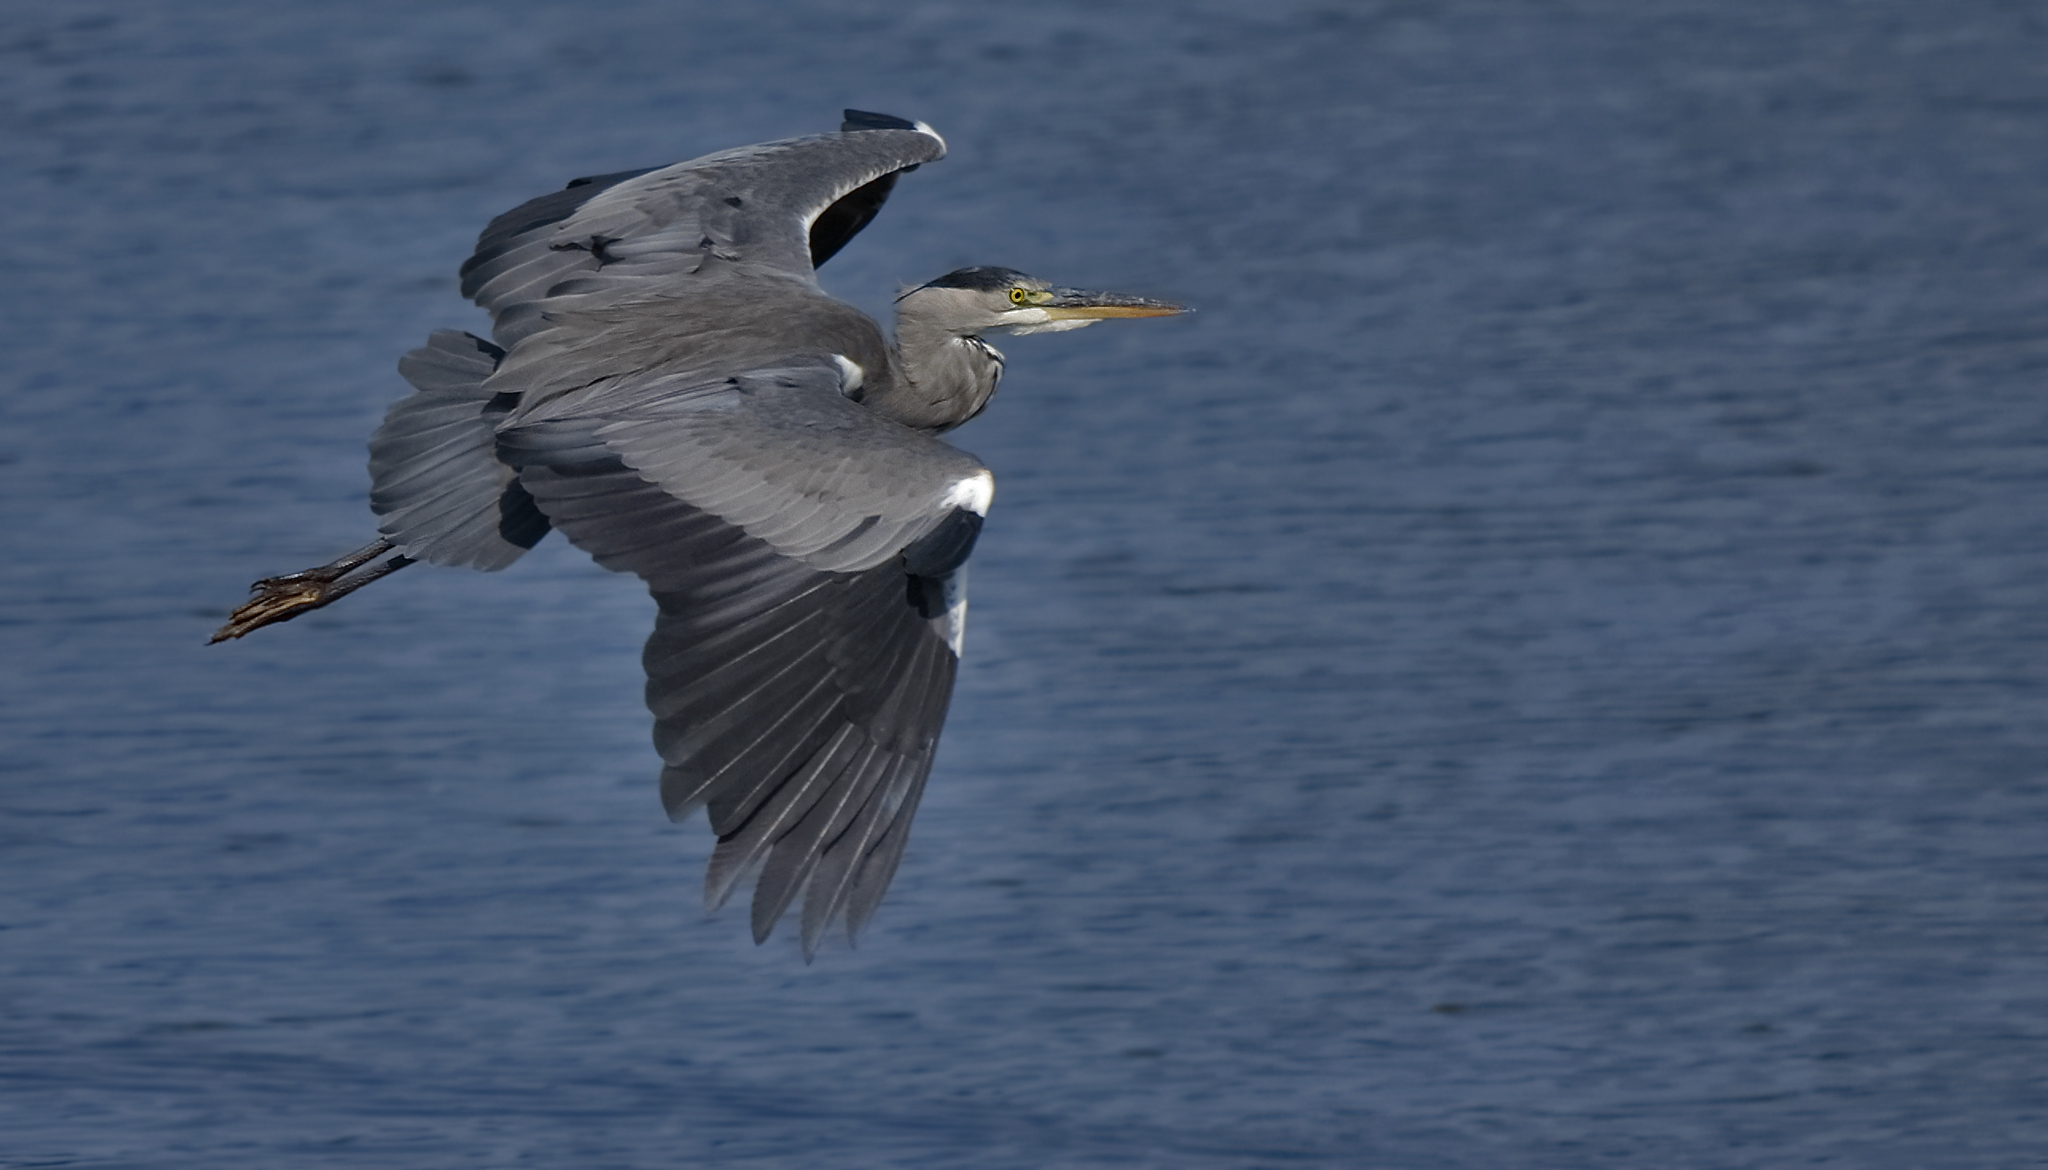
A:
<point x="276" y="601"/>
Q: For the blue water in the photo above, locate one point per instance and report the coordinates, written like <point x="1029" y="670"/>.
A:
<point x="1546" y="669"/>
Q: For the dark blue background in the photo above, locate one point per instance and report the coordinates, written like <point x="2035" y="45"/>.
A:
<point x="1544" y="670"/>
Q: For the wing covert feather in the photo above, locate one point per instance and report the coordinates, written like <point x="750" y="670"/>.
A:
<point x="779" y="453"/>
<point x="639" y="233"/>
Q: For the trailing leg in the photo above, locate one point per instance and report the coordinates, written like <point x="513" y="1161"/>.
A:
<point x="283" y="598"/>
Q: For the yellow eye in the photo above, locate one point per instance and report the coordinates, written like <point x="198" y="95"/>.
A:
<point x="1020" y="296"/>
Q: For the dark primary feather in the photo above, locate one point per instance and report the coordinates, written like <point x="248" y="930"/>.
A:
<point x="842" y="221"/>
<point x="856" y="209"/>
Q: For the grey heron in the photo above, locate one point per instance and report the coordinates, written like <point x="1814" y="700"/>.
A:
<point x="668" y="385"/>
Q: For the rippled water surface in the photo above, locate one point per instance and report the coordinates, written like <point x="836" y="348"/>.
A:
<point x="1546" y="669"/>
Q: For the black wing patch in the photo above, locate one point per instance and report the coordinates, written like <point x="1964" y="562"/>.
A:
<point x="842" y="221"/>
<point x="869" y="120"/>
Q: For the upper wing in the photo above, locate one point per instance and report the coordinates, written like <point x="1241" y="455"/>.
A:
<point x="806" y="558"/>
<point x="782" y="207"/>
<point x="780" y="453"/>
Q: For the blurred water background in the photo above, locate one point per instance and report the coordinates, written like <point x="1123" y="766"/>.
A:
<point x="1546" y="669"/>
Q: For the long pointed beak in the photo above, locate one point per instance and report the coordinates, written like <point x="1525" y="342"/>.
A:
<point x="1073" y="304"/>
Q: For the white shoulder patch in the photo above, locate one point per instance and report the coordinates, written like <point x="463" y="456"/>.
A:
<point x="924" y="129"/>
<point x="974" y="493"/>
<point x="851" y="376"/>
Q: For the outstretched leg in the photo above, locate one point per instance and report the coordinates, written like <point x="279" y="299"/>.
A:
<point x="280" y="599"/>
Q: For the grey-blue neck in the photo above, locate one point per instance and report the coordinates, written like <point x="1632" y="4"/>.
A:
<point x="945" y="372"/>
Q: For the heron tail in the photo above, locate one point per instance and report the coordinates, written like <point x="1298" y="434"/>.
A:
<point x="436" y="481"/>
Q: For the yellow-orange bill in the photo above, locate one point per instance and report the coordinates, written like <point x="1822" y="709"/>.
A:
<point x="1094" y="312"/>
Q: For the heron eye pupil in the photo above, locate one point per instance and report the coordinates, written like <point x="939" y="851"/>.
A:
<point x="1017" y="296"/>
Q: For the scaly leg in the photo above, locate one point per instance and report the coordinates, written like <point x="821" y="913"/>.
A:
<point x="283" y="598"/>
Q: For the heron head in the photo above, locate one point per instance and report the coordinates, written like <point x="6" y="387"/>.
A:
<point x="973" y="301"/>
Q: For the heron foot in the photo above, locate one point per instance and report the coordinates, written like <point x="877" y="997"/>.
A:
<point x="279" y="599"/>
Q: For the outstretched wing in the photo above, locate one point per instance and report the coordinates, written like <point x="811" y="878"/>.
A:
<point x="780" y="207"/>
<point x="439" y="487"/>
<point x="806" y="556"/>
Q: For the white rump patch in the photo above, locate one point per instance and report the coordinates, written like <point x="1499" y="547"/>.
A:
<point x="975" y="493"/>
<point x="851" y="376"/>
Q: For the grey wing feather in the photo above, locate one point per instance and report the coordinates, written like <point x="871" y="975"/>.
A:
<point x="779" y="453"/>
<point x="437" y="485"/>
<point x="638" y="236"/>
<point x="798" y="693"/>
<point x="504" y="231"/>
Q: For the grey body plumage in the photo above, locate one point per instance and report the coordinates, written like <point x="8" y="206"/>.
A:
<point x="668" y="385"/>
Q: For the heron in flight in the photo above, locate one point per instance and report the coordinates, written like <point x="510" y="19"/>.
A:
<point x="669" y="386"/>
